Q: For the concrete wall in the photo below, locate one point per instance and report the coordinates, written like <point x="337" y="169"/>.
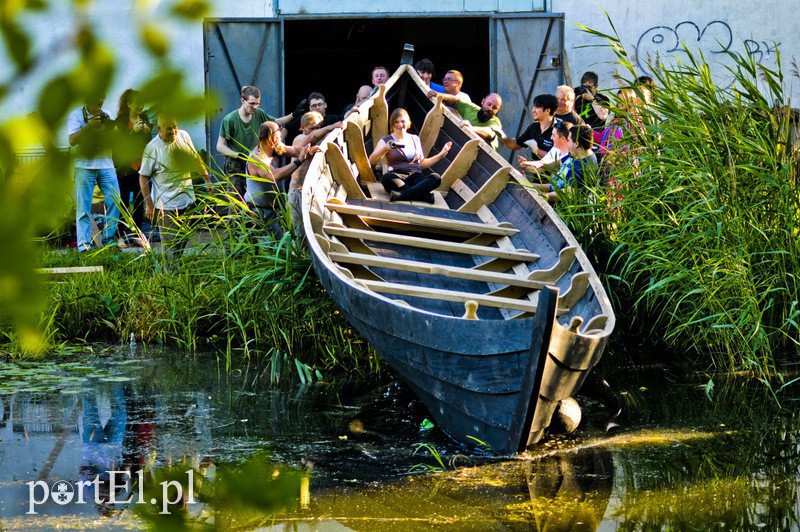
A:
<point x="648" y="29"/>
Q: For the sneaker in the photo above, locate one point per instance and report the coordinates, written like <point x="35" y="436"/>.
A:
<point x="122" y="243"/>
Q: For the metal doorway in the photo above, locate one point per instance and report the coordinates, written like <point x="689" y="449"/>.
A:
<point x="515" y="55"/>
<point x="240" y="52"/>
<point x="527" y="61"/>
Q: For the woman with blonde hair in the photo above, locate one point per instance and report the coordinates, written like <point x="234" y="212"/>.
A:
<point x="406" y="179"/>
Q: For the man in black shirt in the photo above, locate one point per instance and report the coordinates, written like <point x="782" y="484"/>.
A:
<point x="315" y="102"/>
<point x="538" y="135"/>
<point x="589" y="104"/>
<point x="566" y="105"/>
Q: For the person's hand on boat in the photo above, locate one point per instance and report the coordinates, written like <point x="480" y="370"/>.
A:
<point x="432" y="94"/>
<point x="445" y="148"/>
<point x="464" y="123"/>
<point x="525" y="164"/>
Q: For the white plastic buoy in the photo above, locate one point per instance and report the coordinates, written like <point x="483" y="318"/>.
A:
<point x="569" y="414"/>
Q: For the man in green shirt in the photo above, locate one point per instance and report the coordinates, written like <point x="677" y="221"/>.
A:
<point x="482" y="120"/>
<point x="238" y="135"/>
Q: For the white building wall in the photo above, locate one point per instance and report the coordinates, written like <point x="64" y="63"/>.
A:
<point x="656" y="27"/>
<point x="646" y="28"/>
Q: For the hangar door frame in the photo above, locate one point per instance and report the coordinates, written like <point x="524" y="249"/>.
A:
<point x="229" y="66"/>
<point x="526" y="59"/>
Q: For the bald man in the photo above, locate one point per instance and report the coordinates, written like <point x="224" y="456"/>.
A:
<point x="482" y="120"/>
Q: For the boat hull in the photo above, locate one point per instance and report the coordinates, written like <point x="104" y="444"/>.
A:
<point x="497" y="379"/>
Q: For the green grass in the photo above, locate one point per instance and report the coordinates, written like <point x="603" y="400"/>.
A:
<point x="236" y="288"/>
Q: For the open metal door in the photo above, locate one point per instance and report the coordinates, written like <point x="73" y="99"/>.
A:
<point x="527" y="61"/>
<point x="241" y="52"/>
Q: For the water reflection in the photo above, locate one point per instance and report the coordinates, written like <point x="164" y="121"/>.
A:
<point x="653" y="452"/>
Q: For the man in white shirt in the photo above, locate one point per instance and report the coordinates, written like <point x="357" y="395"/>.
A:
<point x="89" y="129"/>
<point x="452" y="82"/>
<point x="167" y="164"/>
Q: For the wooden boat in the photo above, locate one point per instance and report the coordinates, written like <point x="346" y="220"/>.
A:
<point x="484" y="302"/>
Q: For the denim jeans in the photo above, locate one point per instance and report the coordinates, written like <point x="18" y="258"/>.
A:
<point x="85" y="180"/>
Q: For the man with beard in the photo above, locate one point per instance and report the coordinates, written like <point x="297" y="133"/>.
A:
<point x="482" y="120"/>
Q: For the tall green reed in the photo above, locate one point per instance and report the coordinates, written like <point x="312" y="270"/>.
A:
<point x="700" y="235"/>
<point x="234" y="286"/>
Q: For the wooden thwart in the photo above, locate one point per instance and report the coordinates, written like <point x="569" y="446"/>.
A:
<point x="429" y="243"/>
<point x="354" y="138"/>
<point x="505" y="229"/>
<point x="340" y="169"/>
<point x="436" y="269"/>
<point x="451" y="295"/>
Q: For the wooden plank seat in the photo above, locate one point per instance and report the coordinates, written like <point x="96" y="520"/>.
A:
<point x="376" y="191"/>
<point x="429" y="243"/>
<point x="504" y="229"/>
<point x="429" y="268"/>
<point x="524" y="305"/>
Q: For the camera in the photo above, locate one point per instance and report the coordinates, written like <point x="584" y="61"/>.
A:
<point x="580" y="90"/>
<point x="395" y="146"/>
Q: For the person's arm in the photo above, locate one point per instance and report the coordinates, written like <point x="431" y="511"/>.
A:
<point x="485" y="132"/>
<point x="378" y="153"/>
<point x="318" y="134"/>
<point x="92" y="124"/>
<point x="597" y="107"/>
<point x="264" y="171"/>
<point x="144" y="185"/>
<point x="429" y="161"/>
<point x="511" y="143"/>
<point x="448" y="99"/>
<point x="222" y="148"/>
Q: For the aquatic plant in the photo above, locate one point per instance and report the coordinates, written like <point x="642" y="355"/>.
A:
<point x="699" y="235"/>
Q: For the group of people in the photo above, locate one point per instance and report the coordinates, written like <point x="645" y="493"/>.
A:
<point x="150" y="168"/>
<point x="571" y="132"/>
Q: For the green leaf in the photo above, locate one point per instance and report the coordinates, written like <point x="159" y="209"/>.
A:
<point x="191" y="9"/>
<point x="18" y="44"/>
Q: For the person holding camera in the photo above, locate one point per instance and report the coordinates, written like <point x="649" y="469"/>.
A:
<point x="405" y="180"/>
<point x="589" y="104"/>
<point x="89" y="129"/>
<point x="134" y="132"/>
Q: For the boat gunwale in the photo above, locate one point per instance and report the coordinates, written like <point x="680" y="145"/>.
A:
<point x="360" y="119"/>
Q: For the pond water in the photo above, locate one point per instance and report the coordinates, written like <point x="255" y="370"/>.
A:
<point x="652" y="452"/>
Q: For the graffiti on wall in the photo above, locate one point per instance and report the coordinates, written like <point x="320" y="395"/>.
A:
<point x="714" y="39"/>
